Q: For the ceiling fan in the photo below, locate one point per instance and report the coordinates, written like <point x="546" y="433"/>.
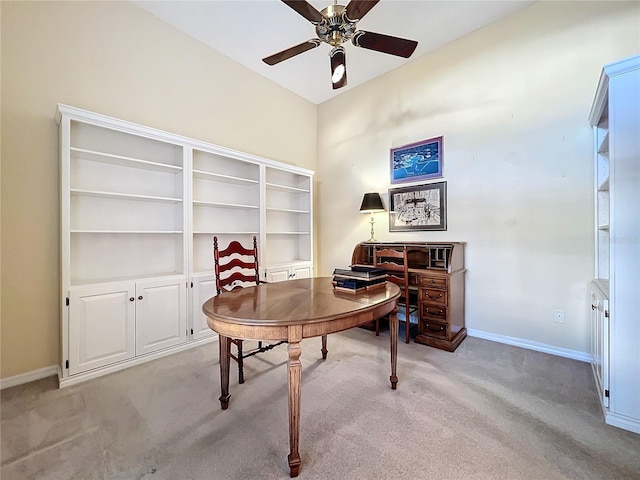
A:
<point x="335" y="25"/>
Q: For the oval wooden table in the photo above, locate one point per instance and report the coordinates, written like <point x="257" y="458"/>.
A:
<point x="292" y="311"/>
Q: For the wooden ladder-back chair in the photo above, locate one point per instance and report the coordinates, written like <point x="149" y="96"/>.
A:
<point x="235" y="267"/>
<point x="394" y="261"/>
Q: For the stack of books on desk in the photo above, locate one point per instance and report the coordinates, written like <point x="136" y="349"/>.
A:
<point x="358" y="278"/>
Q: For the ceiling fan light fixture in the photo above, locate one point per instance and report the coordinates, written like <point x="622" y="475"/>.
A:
<point x="335" y="25"/>
<point x="338" y="67"/>
<point x="338" y="73"/>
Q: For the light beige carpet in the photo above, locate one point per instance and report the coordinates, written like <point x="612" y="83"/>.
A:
<point x="487" y="411"/>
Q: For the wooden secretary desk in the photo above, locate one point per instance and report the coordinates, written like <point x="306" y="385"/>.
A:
<point x="436" y="271"/>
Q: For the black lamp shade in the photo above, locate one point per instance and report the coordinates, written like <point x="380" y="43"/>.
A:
<point x="371" y="202"/>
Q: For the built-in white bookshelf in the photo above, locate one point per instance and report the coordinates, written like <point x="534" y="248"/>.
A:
<point x="139" y="210"/>
<point x="615" y="303"/>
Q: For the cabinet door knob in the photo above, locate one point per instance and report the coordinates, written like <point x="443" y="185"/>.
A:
<point x="131" y="299"/>
<point x="593" y="307"/>
<point x="140" y="297"/>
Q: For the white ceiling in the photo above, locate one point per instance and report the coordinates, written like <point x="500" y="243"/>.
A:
<point x="249" y="30"/>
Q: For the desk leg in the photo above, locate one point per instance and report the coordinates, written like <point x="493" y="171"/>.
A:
<point x="294" y="368"/>
<point x="324" y="347"/>
<point x="393" y="329"/>
<point x="225" y="357"/>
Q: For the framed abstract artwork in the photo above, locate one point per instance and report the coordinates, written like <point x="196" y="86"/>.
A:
<point x="417" y="161"/>
<point x="418" y="207"/>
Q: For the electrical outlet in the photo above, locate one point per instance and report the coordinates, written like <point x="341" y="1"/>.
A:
<point x="558" y="316"/>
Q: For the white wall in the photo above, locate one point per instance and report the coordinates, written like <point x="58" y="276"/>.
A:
<point x="511" y="101"/>
<point x="112" y="58"/>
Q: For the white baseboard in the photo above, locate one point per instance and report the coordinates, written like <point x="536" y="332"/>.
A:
<point x="53" y="370"/>
<point x="531" y="345"/>
<point x="622" y="421"/>
<point x="28" y="377"/>
<point x="99" y="372"/>
<point x="63" y="382"/>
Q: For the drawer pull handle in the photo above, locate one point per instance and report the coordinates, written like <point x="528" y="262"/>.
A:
<point x="439" y="329"/>
<point x="436" y="297"/>
<point x="439" y="312"/>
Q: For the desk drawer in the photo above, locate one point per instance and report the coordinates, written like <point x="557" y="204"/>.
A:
<point x="434" y="329"/>
<point x="436" y="312"/>
<point x="434" y="281"/>
<point x="438" y="297"/>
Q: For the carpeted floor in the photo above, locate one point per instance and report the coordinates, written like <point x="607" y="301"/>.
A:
<point x="487" y="411"/>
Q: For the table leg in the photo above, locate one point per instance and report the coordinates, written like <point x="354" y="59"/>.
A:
<point x="393" y="329"/>
<point x="225" y="357"/>
<point x="294" y="368"/>
<point x="324" y="347"/>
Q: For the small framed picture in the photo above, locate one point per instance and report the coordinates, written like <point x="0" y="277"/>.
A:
<point x="417" y="161"/>
<point x="418" y="207"/>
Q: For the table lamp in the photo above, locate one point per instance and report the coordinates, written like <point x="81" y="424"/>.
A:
<point x="371" y="203"/>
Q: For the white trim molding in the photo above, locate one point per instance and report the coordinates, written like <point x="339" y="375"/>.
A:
<point x="116" y="367"/>
<point x="55" y="370"/>
<point x="28" y="377"/>
<point x="622" y="421"/>
<point x="531" y="345"/>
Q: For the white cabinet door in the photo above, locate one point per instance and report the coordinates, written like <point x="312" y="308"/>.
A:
<point x="278" y="274"/>
<point x="600" y="342"/>
<point x="161" y="314"/>
<point x="204" y="288"/>
<point x="300" y="272"/>
<point x="101" y="326"/>
<point x="282" y="273"/>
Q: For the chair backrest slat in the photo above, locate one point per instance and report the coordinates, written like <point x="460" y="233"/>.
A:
<point x="396" y="263"/>
<point x="394" y="260"/>
<point x="231" y="270"/>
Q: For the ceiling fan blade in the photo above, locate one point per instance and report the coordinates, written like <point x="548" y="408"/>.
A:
<point x="305" y="9"/>
<point x="291" y="52"/>
<point x="338" y="67"/>
<point x="384" y="43"/>
<point x="356" y="9"/>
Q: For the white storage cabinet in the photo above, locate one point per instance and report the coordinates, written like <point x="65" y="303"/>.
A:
<point x="615" y="117"/>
